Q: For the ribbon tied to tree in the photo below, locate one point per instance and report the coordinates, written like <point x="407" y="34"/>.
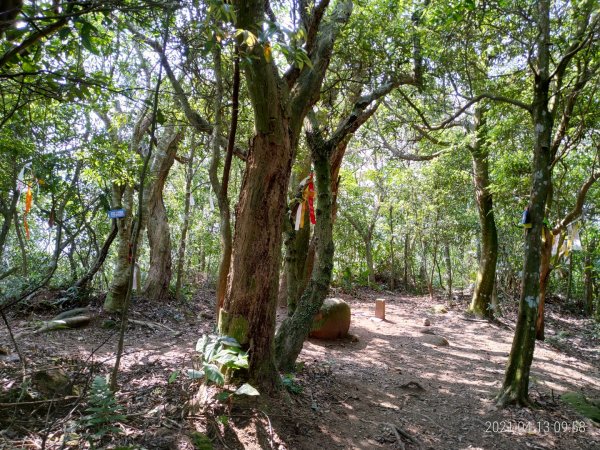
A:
<point x="307" y="202"/>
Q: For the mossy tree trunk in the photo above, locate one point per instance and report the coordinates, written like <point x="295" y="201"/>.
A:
<point x="326" y="159"/>
<point x="486" y="275"/>
<point x="294" y="330"/>
<point x="297" y="245"/>
<point x="516" y="380"/>
<point x="122" y="197"/>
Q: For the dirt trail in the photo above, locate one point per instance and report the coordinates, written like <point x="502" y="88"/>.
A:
<point x="442" y="396"/>
<point x="394" y="388"/>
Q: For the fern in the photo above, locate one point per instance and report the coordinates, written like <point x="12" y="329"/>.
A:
<point x="103" y="410"/>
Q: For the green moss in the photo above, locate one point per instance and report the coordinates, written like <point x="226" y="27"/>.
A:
<point x="582" y="405"/>
<point x="235" y="327"/>
<point x="201" y="441"/>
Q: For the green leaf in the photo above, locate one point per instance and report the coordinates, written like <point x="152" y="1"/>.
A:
<point x="229" y="341"/>
<point x="246" y="389"/>
<point x="173" y="376"/>
<point x="195" y="374"/>
<point x="223" y="396"/>
<point x="201" y="344"/>
<point x="86" y="39"/>
<point x="213" y="374"/>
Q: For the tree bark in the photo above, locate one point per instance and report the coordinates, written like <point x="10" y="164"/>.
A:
<point x="516" y="380"/>
<point x="297" y="249"/>
<point x="189" y="176"/>
<point x="589" y="274"/>
<point x="156" y="286"/>
<point x="486" y="274"/>
<point x="294" y="330"/>
<point x="279" y="106"/>
<point x="448" y="264"/>
<point x="122" y="197"/>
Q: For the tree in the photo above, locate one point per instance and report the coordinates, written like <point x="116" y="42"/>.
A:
<point x="280" y="104"/>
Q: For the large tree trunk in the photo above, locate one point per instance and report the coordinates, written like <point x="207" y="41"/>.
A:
<point x="486" y="275"/>
<point x="122" y="197"/>
<point x="156" y="286"/>
<point x="516" y="380"/>
<point x="248" y="314"/>
<point x="295" y="329"/>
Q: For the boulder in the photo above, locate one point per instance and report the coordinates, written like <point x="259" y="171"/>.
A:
<point x="433" y="339"/>
<point x="52" y="382"/>
<point x="332" y="321"/>
<point x="440" y="309"/>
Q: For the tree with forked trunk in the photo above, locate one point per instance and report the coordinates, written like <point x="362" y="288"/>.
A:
<point x="280" y="103"/>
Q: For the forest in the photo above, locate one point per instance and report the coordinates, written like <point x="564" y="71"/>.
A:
<point x="299" y="224"/>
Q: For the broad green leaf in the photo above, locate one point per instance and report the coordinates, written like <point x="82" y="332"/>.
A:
<point x="246" y="389"/>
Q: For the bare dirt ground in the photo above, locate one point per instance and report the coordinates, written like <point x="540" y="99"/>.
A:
<point x="395" y="387"/>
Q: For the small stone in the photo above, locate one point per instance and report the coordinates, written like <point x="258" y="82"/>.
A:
<point x="426" y="323"/>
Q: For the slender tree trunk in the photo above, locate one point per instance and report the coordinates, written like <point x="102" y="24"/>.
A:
<point x="22" y="247"/>
<point x="486" y="275"/>
<point x="8" y="214"/>
<point x="569" y="279"/>
<point x="516" y="380"/>
<point x="295" y="329"/>
<point x="297" y="245"/>
<point x="589" y="274"/>
<point x="122" y="197"/>
<point x="189" y="176"/>
<point x="369" y="257"/>
<point x="156" y="286"/>
<point x="392" y="259"/>
<point x="448" y="263"/>
<point x="102" y="254"/>
<point x="406" y="260"/>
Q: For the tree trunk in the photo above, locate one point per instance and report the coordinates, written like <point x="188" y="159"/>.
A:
<point x="569" y="279"/>
<point x="481" y="303"/>
<point x="189" y="176"/>
<point x="589" y="274"/>
<point x="297" y="245"/>
<point x="545" y="269"/>
<point x="122" y="197"/>
<point x="8" y="214"/>
<point x="102" y="254"/>
<point x="406" y="260"/>
<point x="448" y="263"/>
<point x="156" y="286"/>
<point x="392" y="259"/>
<point x="369" y="257"/>
<point x="516" y="380"/>
<point x="248" y="313"/>
<point x="295" y="329"/>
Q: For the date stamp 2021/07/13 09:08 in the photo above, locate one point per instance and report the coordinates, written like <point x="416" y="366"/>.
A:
<point x="541" y="426"/>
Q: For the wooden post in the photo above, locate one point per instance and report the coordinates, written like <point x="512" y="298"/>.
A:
<point x="380" y="308"/>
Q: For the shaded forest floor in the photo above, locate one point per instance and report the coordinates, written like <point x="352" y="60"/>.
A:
<point x="393" y="387"/>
